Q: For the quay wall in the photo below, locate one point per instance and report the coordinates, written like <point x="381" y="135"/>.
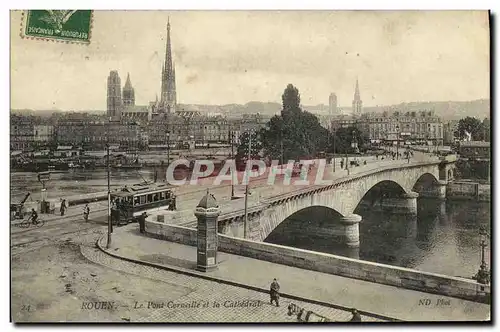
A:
<point x="332" y="264"/>
<point x="468" y="190"/>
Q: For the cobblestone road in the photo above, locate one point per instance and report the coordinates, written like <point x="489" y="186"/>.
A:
<point x="209" y="292"/>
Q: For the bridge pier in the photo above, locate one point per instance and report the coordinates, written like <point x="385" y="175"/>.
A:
<point x="438" y="190"/>
<point x="350" y="234"/>
<point x="406" y="204"/>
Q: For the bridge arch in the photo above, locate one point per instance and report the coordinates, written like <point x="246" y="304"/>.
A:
<point x="292" y="216"/>
<point x="425" y="183"/>
<point x="383" y="189"/>
<point x="309" y="221"/>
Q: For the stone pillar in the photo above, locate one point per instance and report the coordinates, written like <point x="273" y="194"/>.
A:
<point x="411" y="226"/>
<point x="406" y="204"/>
<point x="207" y="213"/>
<point x="438" y="190"/>
<point x="351" y="230"/>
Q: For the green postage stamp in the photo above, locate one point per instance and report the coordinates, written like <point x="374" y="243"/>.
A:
<point x="71" y="26"/>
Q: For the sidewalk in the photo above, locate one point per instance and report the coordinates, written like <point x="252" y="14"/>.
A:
<point x="336" y="291"/>
<point x="72" y="211"/>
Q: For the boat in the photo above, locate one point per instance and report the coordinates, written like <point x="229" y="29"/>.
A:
<point x="127" y="166"/>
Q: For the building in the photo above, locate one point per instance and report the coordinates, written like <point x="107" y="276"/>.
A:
<point x="343" y="121"/>
<point x="93" y="133"/>
<point x="357" y="104"/>
<point x="128" y="93"/>
<point x="30" y="132"/>
<point x="43" y="134"/>
<point x="139" y="114"/>
<point x="449" y="130"/>
<point x="168" y="100"/>
<point x="114" y="101"/>
<point x="474" y="150"/>
<point x="422" y="127"/>
<point x="332" y="105"/>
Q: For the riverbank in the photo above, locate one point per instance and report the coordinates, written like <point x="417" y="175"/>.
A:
<point x="469" y="190"/>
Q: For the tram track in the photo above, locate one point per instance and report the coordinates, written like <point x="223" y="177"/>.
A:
<point x="71" y="224"/>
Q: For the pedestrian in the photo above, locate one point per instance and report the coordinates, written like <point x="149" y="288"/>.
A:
<point x="86" y="212"/>
<point x="356" y="317"/>
<point x="142" y="222"/>
<point x="341" y="163"/>
<point x="274" y="292"/>
<point x="63" y="207"/>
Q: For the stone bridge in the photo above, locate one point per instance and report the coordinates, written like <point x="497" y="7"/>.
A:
<point x="394" y="186"/>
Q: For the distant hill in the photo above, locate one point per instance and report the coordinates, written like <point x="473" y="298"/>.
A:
<point x="48" y="113"/>
<point x="448" y="110"/>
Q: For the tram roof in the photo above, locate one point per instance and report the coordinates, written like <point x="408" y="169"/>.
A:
<point x="141" y="189"/>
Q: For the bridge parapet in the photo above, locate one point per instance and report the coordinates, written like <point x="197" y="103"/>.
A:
<point x="342" y="195"/>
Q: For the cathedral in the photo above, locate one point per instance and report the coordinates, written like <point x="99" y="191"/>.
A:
<point x="357" y="104"/>
<point x="121" y="102"/>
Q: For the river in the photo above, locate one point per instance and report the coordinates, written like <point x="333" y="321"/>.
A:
<point x="442" y="238"/>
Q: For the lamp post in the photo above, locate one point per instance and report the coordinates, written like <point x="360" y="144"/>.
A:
<point x="231" y="141"/>
<point x="168" y="148"/>
<point x="281" y="142"/>
<point x="333" y="137"/>
<point x="249" y="158"/>
<point x="110" y="226"/>
<point x="483" y="275"/>
<point x="397" y="142"/>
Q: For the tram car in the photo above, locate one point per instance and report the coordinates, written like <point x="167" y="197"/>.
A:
<point x="130" y="203"/>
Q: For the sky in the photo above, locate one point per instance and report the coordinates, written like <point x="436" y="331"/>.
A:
<point x="241" y="56"/>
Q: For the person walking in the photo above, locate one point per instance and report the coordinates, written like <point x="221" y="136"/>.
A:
<point x="356" y="317"/>
<point x="63" y="207"/>
<point x="274" y="292"/>
<point x="86" y="212"/>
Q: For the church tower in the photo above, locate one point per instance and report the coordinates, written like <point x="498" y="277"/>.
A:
<point x="114" y="104"/>
<point x="168" y="100"/>
<point x="128" y="93"/>
<point x="357" y="104"/>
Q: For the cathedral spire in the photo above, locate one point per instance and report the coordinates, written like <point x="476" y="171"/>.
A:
<point x="357" y="104"/>
<point x="128" y="93"/>
<point x="168" y="52"/>
<point x="357" y="95"/>
<point x="128" y="84"/>
<point x="168" y="93"/>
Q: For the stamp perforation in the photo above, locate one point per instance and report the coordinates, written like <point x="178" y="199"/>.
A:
<point x="24" y="15"/>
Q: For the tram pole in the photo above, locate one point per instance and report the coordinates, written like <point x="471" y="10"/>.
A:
<point x="231" y="133"/>
<point x="110" y="226"/>
<point x="247" y="184"/>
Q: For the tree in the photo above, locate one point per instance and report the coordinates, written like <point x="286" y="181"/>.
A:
<point x="295" y="134"/>
<point x="485" y="130"/>
<point x="244" y="139"/>
<point x="291" y="101"/>
<point x="470" y="125"/>
<point x="344" y="137"/>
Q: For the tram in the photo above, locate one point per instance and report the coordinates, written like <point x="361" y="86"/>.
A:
<point x="131" y="202"/>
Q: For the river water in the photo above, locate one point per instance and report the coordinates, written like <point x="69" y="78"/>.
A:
<point x="443" y="237"/>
